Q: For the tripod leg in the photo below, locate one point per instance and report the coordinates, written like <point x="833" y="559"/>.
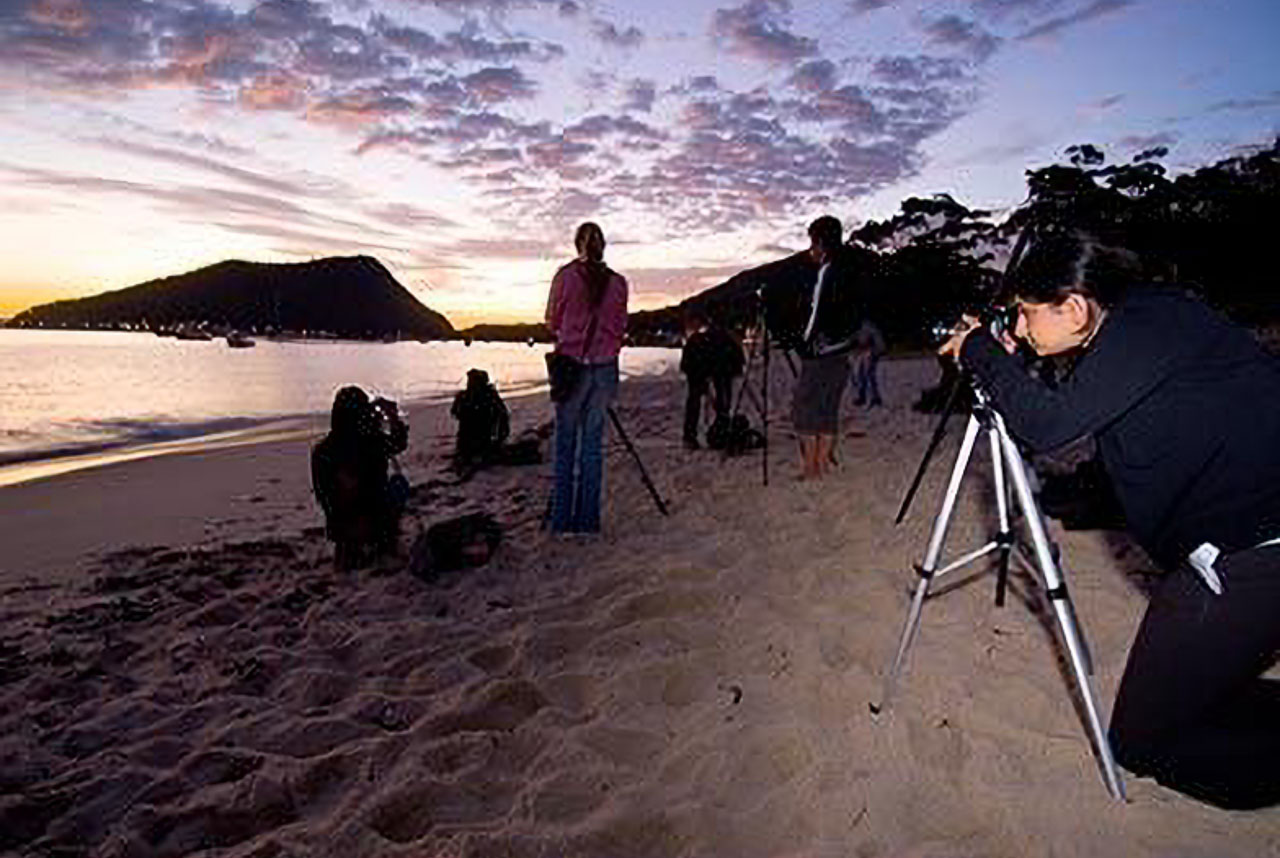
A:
<point x="644" y="475"/>
<point x="938" y="432"/>
<point x="746" y="380"/>
<point x="764" y="394"/>
<point x="1064" y="611"/>
<point x="930" y="564"/>
<point x="1004" y="538"/>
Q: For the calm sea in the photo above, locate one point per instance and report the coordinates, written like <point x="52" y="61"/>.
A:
<point x="71" y="392"/>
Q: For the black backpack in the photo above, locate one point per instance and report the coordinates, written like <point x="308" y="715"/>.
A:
<point x="734" y="435"/>
<point x="456" y="543"/>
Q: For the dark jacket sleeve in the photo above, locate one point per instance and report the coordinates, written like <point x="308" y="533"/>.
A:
<point x="397" y="438"/>
<point x="322" y="476"/>
<point x="1135" y="351"/>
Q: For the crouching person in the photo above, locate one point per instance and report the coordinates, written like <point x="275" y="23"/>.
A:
<point x="483" y="421"/>
<point x="362" y="507"/>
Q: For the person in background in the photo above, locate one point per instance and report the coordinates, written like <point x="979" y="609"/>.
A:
<point x="1185" y="409"/>
<point x="826" y="341"/>
<point x="587" y="316"/>
<point x="868" y="347"/>
<point x="483" y="420"/>
<point x="710" y="360"/>
<point x="349" y="477"/>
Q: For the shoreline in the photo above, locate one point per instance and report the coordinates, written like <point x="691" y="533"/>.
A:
<point x="41" y="464"/>
<point x="26" y="466"/>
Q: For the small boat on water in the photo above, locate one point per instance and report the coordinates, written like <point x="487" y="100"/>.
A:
<point x="237" y="340"/>
<point x="187" y="333"/>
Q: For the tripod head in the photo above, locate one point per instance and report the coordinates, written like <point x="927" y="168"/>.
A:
<point x="981" y="408"/>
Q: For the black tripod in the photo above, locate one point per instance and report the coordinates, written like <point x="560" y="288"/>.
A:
<point x="635" y="456"/>
<point x="761" y="347"/>
<point x="1004" y="455"/>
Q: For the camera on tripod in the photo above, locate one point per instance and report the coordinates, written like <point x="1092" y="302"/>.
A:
<point x="996" y="318"/>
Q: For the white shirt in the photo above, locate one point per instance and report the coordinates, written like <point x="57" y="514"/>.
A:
<point x="817" y="294"/>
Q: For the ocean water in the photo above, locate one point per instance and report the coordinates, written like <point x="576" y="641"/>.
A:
<point x="65" y="393"/>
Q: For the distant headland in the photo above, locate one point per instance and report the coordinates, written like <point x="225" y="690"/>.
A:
<point x="352" y="297"/>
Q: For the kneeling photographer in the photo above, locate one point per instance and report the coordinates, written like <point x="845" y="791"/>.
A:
<point x="362" y="505"/>
<point x="1185" y="409"/>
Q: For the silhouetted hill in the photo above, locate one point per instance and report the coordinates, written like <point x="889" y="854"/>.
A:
<point x="733" y="303"/>
<point x="350" y="297"/>
<point x="518" y="332"/>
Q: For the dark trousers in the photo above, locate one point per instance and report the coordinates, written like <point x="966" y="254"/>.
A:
<point x="866" y="379"/>
<point x="700" y="386"/>
<point x="1192" y="711"/>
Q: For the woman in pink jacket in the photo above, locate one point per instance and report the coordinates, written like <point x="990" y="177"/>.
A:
<point x="587" y="316"/>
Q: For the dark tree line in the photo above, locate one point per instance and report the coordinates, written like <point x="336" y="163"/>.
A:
<point x="1208" y="231"/>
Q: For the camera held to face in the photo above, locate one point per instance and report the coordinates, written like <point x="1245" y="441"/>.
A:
<point x="996" y="318"/>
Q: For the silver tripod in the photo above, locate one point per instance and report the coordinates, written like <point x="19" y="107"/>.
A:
<point x="1004" y="453"/>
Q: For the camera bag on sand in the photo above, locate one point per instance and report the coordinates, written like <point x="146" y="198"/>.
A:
<point x="564" y="372"/>
<point x="456" y="543"/>
<point x="734" y="435"/>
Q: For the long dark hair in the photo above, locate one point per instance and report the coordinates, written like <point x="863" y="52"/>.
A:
<point x="1059" y="263"/>
<point x="597" y="273"/>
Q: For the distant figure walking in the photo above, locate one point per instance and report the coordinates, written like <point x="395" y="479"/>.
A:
<point x="349" y="477"/>
<point x="483" y="420"/>
<point x="710" y="360"/>
<point x="587" y="316"/>
<point x="868" y="347"/>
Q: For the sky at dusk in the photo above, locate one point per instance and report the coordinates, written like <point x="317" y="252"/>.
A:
<point x="461" y="141"/>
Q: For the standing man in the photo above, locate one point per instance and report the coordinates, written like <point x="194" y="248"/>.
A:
<point x="710" y="360"/>
<point x="868" y="347"/>
<point x="824" y="349"/>
<point x="587" y="315"/>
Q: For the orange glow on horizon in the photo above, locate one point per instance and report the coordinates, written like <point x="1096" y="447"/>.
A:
<point x="15" y="299"/>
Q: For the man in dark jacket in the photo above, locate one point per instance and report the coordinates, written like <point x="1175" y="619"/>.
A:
<point x="710" y="360"/>
<point x="825" y="343"/>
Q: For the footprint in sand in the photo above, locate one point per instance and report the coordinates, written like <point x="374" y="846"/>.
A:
<point x="938" y="744"/>
<point x="257" y="805"/>
<point x="503" y="707"/>
<point x="659" y="604"/>
<point x="570" y="797"/>
<point x="410" y="812"/>
<point x="623" y="747"/>
<point x="393" y="714"/>
<point x="219" y="766"/>
<point x="325" y="782"/>
<point x="491" y="659"/>
<point x="310" y="689"/>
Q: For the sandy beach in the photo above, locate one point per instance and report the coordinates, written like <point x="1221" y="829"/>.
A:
<point x="182" y="673"/>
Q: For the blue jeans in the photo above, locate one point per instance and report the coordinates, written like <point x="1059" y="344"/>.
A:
<point x="575" y="502"/>
<point x="865" y="379"/>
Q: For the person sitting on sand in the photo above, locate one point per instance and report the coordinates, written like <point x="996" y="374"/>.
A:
<point x="1185" y="409"/>
<point x="483" y="420"/>
<point x="349" y="476"/>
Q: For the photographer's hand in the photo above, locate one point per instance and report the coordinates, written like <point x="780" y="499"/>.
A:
<point x="967" y="325"/>
<point x="951" y="348"/>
